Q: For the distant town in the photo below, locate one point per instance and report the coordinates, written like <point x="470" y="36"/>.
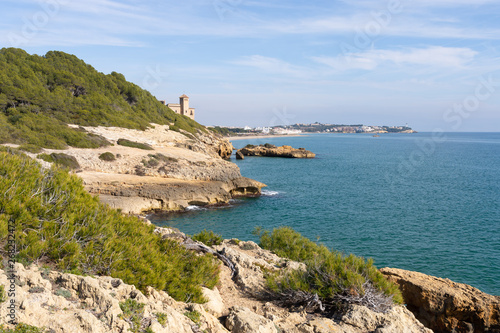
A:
<point x="310" y="128"/>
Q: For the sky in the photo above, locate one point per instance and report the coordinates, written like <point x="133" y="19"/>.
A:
<point x="431" y="64"/>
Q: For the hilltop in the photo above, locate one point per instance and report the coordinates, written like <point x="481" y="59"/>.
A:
<point x="41" y="95"/>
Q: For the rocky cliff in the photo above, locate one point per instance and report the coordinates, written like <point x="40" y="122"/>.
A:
<point x="63" y="302"/>
<point x="176" y="171"/>
<point x="273" y="151"/>
<point x="447" y="306"/>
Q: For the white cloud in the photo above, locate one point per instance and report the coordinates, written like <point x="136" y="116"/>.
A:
<point x="438" y="56"/>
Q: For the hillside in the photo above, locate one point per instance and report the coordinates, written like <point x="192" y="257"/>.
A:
<point x="40" y="95"/>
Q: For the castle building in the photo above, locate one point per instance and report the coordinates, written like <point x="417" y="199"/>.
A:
<point x="182" y="108"/>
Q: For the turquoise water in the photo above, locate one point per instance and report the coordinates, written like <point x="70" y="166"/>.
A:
<point x="406" y="200"/>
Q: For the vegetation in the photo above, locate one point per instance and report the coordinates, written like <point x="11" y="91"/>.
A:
<point x="61" y="159"/>
<point x="63" y="292"/>
<point x="133" y="144"/>
<point x="331" y="275"/>
<point x="194" y="315"/>
<point x="3" y="296"/>
<point x="57" y="221"/>
<point x="133" y="313"/>
<point x="41" y="95"/>
<point x="162" y="318"/>
<point x="22" y="328"/>
<point x="107" y="156"/>
<point x="208" y="238"/>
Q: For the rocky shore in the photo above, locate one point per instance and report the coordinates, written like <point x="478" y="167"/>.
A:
<point x="270" y="150"/>
<point x="178" y="171"/>
<point x="63" y="302"/>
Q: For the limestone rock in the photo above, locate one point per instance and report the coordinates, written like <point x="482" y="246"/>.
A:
<point x="447" y="306"/>
<point x="239" y="155"/>
<point x="225" y="149"/>
<point x="215" y="304"/>
<point x="242" y="320"/>
<point x="273" y="151"/>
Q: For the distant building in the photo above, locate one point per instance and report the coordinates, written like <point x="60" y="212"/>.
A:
<point x="181" y="108"/>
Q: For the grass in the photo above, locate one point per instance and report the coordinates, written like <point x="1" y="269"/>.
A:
<point x="133" y="144"/>
<point x="331" y="275"/>
<point x="208" y="238"/>
<point x="58" y="221"/>
<point x="162" y="318"/>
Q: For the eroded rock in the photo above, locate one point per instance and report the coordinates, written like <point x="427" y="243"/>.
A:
<point x="447" y="306"/>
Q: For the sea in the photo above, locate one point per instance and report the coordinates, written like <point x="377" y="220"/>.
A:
<point x="424" y="202"/>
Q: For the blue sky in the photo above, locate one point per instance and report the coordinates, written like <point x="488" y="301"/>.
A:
<point x="433" y="64"/>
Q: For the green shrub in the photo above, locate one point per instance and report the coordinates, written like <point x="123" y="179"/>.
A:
<point x="329" y="274"/>
<point x="194" y="315"/>
<point x="3" y="296"/>
<point x="208" y="238"/>
<point x="133" y="312"/>
<point x="56" y="219"/>
<point x="61" y="159"/>
<point x="249" y="146"/>
<point x="163" y="158"/>
<point x="35" y="290"/>
<point x="133" y="144"/>
<point x="162" y="318"/>
<point x="107" y="156"/>
<point x="30" y="148"/>
<point x="63" y="292"/>
<point x="22" y="328"/>
<point x="151" y="163"/>
<point x="268" y="145"/>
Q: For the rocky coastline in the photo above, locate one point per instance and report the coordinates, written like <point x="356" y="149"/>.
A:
<point x="63" y="302"/>
<point x="180" y="169"/>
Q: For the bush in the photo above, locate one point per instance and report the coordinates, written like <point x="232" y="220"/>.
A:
<point x="268" y="145"/>
<point x="61" y="159"/>
<point x="208" y="238"/>
<point x="194" y="315"/>
<point x="3" y="296"/>
<point x="56" y="219"/>
<point x="22" y="328"/>
<point x="63" y="292"/>
<point x="133" y="144"/>
<point x="107" y="156"/>
<point x="249" y="146"/>
<point x="133" y="312"/>
<point x="331" y="275"/>
<point x="162" y="318"/>
<point x="30" y="148"/>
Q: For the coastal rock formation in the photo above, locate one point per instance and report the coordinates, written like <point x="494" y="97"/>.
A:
<point x="273" y="151"/>
<point x="447" y="306"/>
<point x="63" y="302"/>
<point x="178" y="169"/>
<point x="239" y="155"/>
<point x="225" y="149"/>
<point x="135" y="194"/>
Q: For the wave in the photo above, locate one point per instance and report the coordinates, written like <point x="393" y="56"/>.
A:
<point x="194" y="207"/>
<point x="269" y="193"/>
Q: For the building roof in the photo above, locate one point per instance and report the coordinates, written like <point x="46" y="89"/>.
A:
<point x="184" y="96"/>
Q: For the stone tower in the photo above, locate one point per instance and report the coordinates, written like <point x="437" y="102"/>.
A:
<point x="183" y="107"/>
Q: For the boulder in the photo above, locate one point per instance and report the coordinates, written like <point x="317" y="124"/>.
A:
<point x="243" y="320"/>
<point x="239" y="155"/>
<point x="447" y="306"/>
<point x="225" y="149"/>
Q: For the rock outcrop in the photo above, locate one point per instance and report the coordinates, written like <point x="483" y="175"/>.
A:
<point x="64" y="302"/>
<point x="273" y="151"/>
<point x="447" y="306"/>
<point x="180" y="170"/>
